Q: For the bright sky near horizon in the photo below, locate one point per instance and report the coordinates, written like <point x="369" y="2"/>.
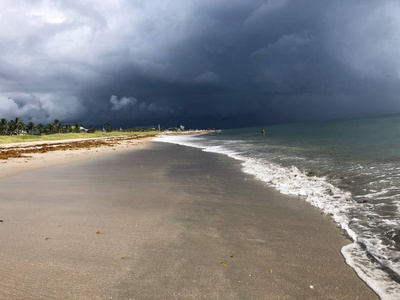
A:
<point x="202" y="63"/>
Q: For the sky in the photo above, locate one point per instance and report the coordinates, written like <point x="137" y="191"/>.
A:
<point x="199" y="63"/>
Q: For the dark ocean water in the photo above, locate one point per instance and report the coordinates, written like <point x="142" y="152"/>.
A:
<point x="350" y="169"/>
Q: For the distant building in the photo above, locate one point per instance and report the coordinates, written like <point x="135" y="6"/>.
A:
<point x="81" y="128"/>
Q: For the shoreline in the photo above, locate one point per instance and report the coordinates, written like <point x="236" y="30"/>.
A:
<point x="26" y="156"/>
<point x="189" y="226"/>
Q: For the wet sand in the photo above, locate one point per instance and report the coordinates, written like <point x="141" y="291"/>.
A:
<point x="166" y="222"/>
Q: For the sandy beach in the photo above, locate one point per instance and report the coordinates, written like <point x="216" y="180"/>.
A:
<point x="147" y="220"/>
<point x="20" y="157"/>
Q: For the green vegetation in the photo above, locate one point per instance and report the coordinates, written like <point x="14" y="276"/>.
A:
<point x="15" y="131"/>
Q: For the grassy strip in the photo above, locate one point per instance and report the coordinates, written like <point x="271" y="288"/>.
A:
<point x="68" y="136"/>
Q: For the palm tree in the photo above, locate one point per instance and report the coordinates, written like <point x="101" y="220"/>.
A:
<point x="77" y="127"/>
<point x="57" y="125"/>
<point x="40" y="127"/>
<point x="108" y="126"/>
<point x="11" y="127"/>
<point x="49" y="128"/>
<point x="19" y="125"/>
<point x="30" y="127"/>
<point x="68" y="128"/>
<point x="3" y="126"/>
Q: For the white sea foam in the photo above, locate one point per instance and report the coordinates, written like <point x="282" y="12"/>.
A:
<point x="184" y="140"/>
<point x="368" y="271"/>
<point x="322" y="194"/>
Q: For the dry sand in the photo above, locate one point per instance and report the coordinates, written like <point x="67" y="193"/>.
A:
<point x="164" y="222"/>
<point x="50" y="153"/>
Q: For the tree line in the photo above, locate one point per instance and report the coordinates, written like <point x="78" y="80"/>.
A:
<point x="17" y="126"/>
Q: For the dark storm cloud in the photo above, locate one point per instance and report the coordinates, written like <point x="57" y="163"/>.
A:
<point x="201" y="63"/>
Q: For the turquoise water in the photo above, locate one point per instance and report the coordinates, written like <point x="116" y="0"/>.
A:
<point x="350" y="169"/>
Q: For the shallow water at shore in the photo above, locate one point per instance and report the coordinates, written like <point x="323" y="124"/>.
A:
<point x="349" y="169"/>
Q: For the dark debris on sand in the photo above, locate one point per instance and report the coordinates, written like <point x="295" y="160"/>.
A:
<point x="19" y="152"/>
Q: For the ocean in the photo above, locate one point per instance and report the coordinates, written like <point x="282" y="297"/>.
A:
<point x="350" y="169"/>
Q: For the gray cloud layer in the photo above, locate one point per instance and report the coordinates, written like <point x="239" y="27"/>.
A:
<point x="201" y="63"/>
